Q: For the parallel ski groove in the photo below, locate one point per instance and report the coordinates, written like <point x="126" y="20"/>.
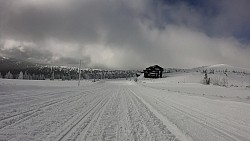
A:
<point x="79" y="120"/>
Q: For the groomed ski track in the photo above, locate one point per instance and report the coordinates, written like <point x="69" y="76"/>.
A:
<point x="118" y="111"/>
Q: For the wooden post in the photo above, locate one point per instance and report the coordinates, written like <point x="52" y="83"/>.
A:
<point x="79" y="74"/>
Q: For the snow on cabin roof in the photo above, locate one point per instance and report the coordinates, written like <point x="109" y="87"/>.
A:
<point x="155" y="66"/>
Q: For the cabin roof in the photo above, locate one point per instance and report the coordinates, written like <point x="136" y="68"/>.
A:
<point x="155" y="66"/>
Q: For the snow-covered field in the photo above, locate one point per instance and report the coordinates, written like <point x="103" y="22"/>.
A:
<point x="190" y="84"/>
<point x="174" y="108"/>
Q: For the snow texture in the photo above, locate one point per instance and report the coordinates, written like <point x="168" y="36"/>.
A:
<point x="174" y="108"/>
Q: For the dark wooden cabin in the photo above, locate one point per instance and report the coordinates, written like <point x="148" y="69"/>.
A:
<point x="153" y="72"/>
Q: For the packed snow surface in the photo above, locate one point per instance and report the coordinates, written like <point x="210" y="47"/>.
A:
<point x="169" y="109"/>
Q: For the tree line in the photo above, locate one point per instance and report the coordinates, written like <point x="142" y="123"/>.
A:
<point x="42" y="73"/>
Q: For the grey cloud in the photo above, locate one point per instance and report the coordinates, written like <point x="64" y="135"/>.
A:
<point x="124" y="34"/>
<point x="234" y="17"/>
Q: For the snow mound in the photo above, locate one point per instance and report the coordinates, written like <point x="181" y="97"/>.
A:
<point x="223" y="67"/>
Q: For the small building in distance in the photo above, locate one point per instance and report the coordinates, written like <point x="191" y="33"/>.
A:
<point x="153" y="72"/>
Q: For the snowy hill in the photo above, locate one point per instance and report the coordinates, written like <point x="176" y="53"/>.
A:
<point x="222" y="67"/>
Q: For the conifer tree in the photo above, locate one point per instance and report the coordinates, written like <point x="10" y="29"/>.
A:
<point x="63" y="77"/>
<point x="52" y="76"/>
<point x="33" y="76"/>
<point x="20" y="76"/>
<point x="9" y="76"/>
<point x="25" y="76"/>
<point x="29" y="76"/>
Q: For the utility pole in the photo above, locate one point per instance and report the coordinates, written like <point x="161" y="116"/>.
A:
<point x="79" y="74"/>
<point x="130" y="75"/>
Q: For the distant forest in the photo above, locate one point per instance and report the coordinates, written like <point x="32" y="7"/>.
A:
<point x="64" y="73"/>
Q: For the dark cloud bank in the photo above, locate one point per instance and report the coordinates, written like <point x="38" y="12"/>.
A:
<point x="127" y="34"/>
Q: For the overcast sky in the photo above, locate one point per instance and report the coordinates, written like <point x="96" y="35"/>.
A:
<point x="127" y="34"/>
